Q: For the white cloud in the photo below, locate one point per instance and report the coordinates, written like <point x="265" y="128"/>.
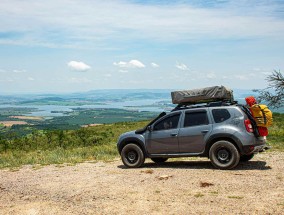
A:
<point x="257" y="69"/>
<point x="154" y="65"/>
<point x="181" y="66"/>
<point x="35" y="22"/>
<point x="123" y="71"/>
<point x="79" y="80"/>
<point x="120" y="64"/>
<point x="19" y="71"/>
<point x="7" y="80"/>
<point x="266" y="73"/>
<point x="211" y="75"/>
<point x="131" y="64"/>
<point x="241" y="77"/>
<point x="252" y="74"/>
<point x="225" y="77"/>
<point x="13" y="71"/>
<point x="261" y="72"/>
<point x="31" y="79"/>
<point x="78" y="66"/>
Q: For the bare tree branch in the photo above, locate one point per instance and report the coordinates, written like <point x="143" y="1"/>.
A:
<point x="274" y="93"/>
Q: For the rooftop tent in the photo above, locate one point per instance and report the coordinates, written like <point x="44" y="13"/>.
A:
<point x="202" y="95"/>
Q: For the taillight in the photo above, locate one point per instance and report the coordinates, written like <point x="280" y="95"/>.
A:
<point x="248" y="126"/>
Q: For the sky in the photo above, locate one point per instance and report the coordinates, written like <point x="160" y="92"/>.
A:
<point x="61" y="46"/>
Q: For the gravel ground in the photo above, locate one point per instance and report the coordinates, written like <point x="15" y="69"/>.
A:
<point x="189" y="186"/>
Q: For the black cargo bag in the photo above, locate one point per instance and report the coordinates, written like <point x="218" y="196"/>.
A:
<point x="202" y="95"/>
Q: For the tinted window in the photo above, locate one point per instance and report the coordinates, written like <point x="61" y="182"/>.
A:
<point x="220" y="115"/>
<point x="170" y="122"/>
<point x="195" y="118"/>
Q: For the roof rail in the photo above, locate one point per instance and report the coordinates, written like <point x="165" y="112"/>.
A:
<point x="209" y="104"/>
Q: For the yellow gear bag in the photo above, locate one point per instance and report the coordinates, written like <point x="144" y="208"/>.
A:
<point x="262" y="115"/>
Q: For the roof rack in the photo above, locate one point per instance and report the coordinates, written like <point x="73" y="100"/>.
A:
<point x="184" y="106"/>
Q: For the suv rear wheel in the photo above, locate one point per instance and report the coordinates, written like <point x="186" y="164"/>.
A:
<point x="132" y="156"/>
<point x="224" y="155"/>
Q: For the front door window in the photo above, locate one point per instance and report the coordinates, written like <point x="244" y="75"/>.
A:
<point x="169" y="123"/>
<point x="164" y="137"/>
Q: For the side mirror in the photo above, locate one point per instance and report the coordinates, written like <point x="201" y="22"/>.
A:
<point x="149" y="128"/>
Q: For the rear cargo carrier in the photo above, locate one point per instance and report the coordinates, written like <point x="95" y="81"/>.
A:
<point x="203" y="95"/>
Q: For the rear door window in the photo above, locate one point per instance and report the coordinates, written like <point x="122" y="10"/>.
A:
<point x="220" y="115"/>
<point x="196" y="118"/>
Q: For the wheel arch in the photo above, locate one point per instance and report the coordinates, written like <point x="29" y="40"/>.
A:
<point x="132" y="140"/>
<point x="215" y="138"/>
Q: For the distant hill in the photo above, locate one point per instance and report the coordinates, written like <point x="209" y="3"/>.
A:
<point x="107" y="95"/>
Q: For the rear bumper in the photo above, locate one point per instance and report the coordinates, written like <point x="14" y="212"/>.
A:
<point x="255" y="149"/>
<point x="261" y="148"/>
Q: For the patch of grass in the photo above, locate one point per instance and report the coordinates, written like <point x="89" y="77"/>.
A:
<point x="185" y="159"/>
<point x="36" y="167"/>
<point x="214" y="192"/>
<point x="198" y="195"/>
<point x="276" y="133"/>
<point x="58" y="147"/>
<point x="57" y="156"/>
<point x="60" y="165"/>
<point x="14" y="169"/>
<point x="235" y="197"/>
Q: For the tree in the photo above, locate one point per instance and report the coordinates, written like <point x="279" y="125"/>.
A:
<point x="48" y="135"/>
<point x="274" y="93"/>
<point x="82" y="134"/>
<point x="5" y="144"/>
<point x="61" y="136"/>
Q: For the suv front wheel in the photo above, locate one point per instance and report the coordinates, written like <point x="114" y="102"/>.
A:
<point x="224" y="155"/>
<point x="132" y="156"/>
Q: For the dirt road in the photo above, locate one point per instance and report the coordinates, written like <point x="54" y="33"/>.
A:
<point x="176" y="187"/>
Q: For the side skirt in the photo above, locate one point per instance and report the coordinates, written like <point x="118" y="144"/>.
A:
<point x="176" y="155"/>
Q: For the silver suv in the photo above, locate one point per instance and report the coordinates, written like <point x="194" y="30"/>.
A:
<point x="225" y="134"/>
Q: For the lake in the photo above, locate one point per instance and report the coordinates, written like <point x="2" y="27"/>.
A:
<point x="138" y="105"/>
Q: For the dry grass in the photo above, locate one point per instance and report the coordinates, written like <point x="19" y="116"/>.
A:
<point x="27" y="117"/>
<point x="10" y="123"/>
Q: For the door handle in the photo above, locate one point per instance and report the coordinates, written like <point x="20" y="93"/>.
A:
<point x="174" y="134"/>
<point x="204" y="131"/>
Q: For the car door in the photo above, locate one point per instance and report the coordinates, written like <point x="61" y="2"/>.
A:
<point x="194" y="131"/>
<point x="163" y="138"/>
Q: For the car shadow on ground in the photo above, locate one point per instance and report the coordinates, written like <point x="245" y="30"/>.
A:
<point x="250" y="165"/>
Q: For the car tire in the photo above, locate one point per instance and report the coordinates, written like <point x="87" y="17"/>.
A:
<point x="159" y="160"/>
<point x="245" y="158"/>
<point x="224" y="155"/>
<point x="132" y="156"/>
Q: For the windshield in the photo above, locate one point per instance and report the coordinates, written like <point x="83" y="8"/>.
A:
<point x="142" y="130"/>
